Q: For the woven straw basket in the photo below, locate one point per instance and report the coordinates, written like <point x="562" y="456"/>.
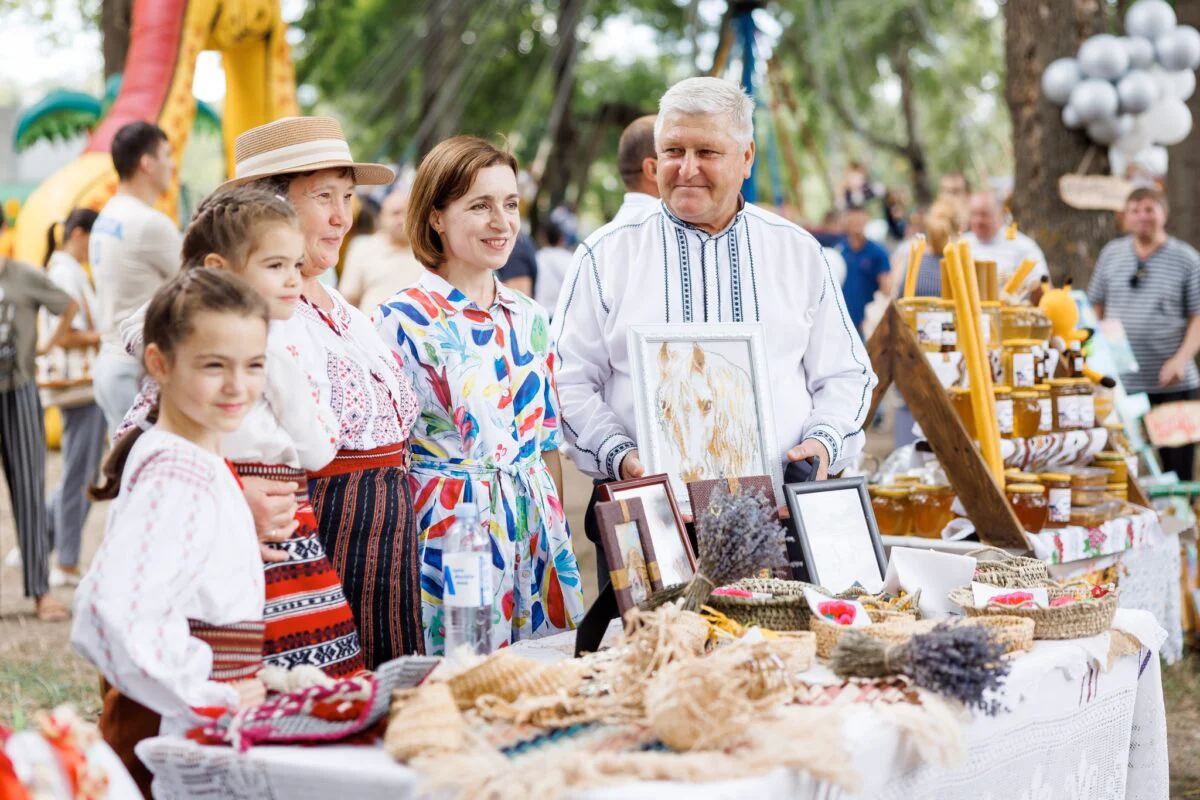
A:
<point x="1015" y="633"/>
<point x="1074" y="621"/>
<point x="508" y="676"/>
<point x="893" y="628"/>
<point x="786" y="610"/>
<point x="996" y="567"/>
<point x="423" y="720"/>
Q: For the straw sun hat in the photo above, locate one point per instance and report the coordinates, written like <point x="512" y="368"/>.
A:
<point x="299" y="144"/>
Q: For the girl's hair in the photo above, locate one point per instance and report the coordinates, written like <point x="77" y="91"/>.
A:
<point x="81" y="218"/>
<point x="942" y="225"/>
<point x="228" y="223"/>
<point x="170" y="320"/>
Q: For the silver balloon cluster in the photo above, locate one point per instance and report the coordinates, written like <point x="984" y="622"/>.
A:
<point x="1128" y="92"/>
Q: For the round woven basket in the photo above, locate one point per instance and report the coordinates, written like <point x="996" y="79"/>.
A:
<point x="1073" y="621"/>
<point x="508" y="676"/>
<point x="785" y="610"/>
<point x="997" y="567"/>
<point x="895" y="629"/>
<point x="1015" y="633"/>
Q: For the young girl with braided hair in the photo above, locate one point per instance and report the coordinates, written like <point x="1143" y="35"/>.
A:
<point x="255" y="235"/>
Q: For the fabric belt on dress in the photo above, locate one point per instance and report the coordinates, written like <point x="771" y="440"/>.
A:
<point x="347" y="461"/>
<point x="518" y="469"/>
<point x="237" y="649"/>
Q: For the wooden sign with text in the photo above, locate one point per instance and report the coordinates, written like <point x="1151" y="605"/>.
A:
<point x="1094" y="192"/>
<point x="1174" y="424"/>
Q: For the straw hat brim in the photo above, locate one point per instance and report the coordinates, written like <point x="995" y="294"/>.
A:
<point x="364" y="174"/>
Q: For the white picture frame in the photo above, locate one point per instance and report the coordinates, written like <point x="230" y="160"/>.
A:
<point x="702" y="403"/>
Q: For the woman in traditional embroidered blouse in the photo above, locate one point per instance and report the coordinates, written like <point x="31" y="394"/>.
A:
<point x="362" y="499"/>
<point x="479" y="356"/>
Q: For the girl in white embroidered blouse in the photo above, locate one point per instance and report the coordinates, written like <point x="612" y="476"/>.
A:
<point x="171" y="609"/>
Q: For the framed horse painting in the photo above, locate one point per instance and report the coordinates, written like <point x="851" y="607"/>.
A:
<point x="702" y="403"/>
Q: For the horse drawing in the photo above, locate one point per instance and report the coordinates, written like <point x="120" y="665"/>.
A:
<point x="705" y="412"/>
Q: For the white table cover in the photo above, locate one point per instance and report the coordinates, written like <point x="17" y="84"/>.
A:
<point x="1072" y="732"/>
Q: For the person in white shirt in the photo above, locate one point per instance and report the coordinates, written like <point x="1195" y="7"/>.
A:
<point x="84" y="428"/>
<point x="133" y="251"/>
<point x="553" y="261"/>
<point x="379" y="265"/>
<point x="990" y="242"/>
<point x="705" y="255"/>
<point x="637" y="163"/>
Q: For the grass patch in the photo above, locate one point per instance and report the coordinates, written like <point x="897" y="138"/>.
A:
<point x="1181" y="694"/>
<point x="44" y="683"/>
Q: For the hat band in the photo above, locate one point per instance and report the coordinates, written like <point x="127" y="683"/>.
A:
<point x="294" y="156"/>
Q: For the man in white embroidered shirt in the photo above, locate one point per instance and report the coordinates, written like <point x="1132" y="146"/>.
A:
<point x="704" y="255"/>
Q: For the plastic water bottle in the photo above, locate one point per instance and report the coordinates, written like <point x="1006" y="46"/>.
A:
<point x="467" y="583"/>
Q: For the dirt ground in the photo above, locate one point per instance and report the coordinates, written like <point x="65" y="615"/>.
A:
<point x="39" y="670"/>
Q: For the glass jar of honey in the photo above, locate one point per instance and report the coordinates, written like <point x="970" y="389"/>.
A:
<point x="1086" y="399"/>
<point x="1014" y="323"/>
<point x="1004" y="411"/>
<point x="1118" y="491"/>
<point x="893" y="510"/>
<point x="960" y="401"/>
<point x="1114" y="462"/>
<point x="1094" y="516"/>
<point x="1087" y="485"/>
<point x="1040" y="327"/>
<point x="1058" y="499"/>
<point x="1028" y="501"/>
<point x="931" y="509"/>
<point x="1065" y="402"/>
<point x="1027" y="413"/>
<point x="1020" y="362"/>
<point x="925" y="317"/>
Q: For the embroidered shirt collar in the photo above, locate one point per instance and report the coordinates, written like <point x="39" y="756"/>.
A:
<point x="737" y="217"/>
<point x="455" y="301"/>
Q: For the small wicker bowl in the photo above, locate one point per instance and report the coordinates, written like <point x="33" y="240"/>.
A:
<point x="1015" y="633"/>
<point x="894" y="629"/>
<point x="996" y="567"/>
<point x="1073" y="621"/>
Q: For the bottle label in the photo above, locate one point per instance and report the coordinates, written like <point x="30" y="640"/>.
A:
<point x="1022" y="369"/>
<point x="1046" y="423"/>
<point x="1004" y="416"/>
<point x="1068" y="412"/>
<point x="1060" y="505"/>
<point x="929" y="326"/>
<point x="466" y="580"/>
<point x="949" y="337"/>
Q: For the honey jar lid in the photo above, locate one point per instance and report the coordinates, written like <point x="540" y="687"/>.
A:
<point x="1024" y="488"/>
<point x="1109" y="455"/>
<point x="1042" y="387"/>
<point x="1014" y="476"/>
<point x="932" y="487"/>
<point x="988" y="303"/>
<point x="1024" y="394"/>
<point x="959" y="390"/>
<point x="1059" y="382"/>
<point x="890" y="491"/>
<point x="1056" y="477"/>
<point x="943" y="303"/>
<point x="1002" y="389"/>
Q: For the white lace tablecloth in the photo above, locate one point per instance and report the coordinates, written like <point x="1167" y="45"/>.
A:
<point x="1072" y="732"/>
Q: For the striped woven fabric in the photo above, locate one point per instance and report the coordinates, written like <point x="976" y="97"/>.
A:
<point x="307" y="618"/>
<point x="236" y="648"/>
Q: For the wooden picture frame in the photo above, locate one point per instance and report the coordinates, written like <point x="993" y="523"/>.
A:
<point x="836" y="531"/>
<point x="629" y="551"/>
<point x="668" y="534"/>
<point x="702" y="402"/>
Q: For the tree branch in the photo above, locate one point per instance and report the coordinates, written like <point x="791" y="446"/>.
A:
<point x="873" y="138"/>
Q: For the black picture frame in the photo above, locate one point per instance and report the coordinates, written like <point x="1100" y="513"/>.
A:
<point x="811" y="540"/>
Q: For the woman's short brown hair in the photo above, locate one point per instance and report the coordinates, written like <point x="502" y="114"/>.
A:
<point x="445" y="175"/>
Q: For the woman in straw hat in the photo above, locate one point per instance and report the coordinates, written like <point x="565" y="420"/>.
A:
<point x="362" y="499"/>
<point x="479" y="355"/>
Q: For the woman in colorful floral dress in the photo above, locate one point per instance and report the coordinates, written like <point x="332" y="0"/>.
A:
<point x="478" y="355"/>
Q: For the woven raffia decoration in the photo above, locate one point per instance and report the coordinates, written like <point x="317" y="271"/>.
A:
<point x="1077" y="620"/>
<point x="785" y="610"/>
<point x="893" y="628"/>
<point x="508" y="676"/>
<point x="997" y="567"/>
<point x="1015" y="633"/>
<point x="424" y="720"/>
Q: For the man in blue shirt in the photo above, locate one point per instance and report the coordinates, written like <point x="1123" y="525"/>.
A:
<point x="867" y="266"/>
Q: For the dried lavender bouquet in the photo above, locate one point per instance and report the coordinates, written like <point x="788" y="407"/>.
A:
<point x="737" y="536"/>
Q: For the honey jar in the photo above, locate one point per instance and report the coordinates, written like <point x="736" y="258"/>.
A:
<point x="1087" y="485"/>
<point x="893" y="509"/>
<point x="1114" y="462"/>
<point x="1065" y="402"/>
<point x="1015" y="323"/>
<point x="1020" y="362"/>
<point x="1040" y="326"/>
<point x="1045" y="407"/>
<point x="925" y="317"/>
<point x="1058" y="499"/>
<point x="1027" y="413"/>
<point x="1028" y="501"/>
<point x="960" y="401"/>
<point x="1094" y="516"/>
<point x="1118" y="491"/>
<point x="931" y="509"/>
<point x="1004" y="411"/>
<point x="1086" y="399"/>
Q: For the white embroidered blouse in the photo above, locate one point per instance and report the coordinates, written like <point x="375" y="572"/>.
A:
<point x="180" y="545"/>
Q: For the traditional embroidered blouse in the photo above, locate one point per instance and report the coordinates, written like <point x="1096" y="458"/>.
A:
<point x="180" y="545"/>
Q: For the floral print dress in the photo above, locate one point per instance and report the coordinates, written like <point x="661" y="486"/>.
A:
<point x="488" y="412"/>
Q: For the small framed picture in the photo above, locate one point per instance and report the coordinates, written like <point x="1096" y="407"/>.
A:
<point x="836" y="531"/>
<point x="702" y="402"/>
<point x="629" y="550"/>
<point x="668" y="535"/>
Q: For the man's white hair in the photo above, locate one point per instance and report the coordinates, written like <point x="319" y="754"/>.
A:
<point x="714" y="97"/>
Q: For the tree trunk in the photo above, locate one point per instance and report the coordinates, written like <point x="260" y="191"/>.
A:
<point x="1037" y="32"/>
<point x="442" y="72"/>
<point x="115" y="20"/>
<point x="1183" y="188"/>
<point x="915" y="150"/>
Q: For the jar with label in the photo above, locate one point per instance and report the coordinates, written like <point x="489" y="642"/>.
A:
<point x="925" y="318"/>
<point x="1097" y="515"/>
<point x="1058" y="499"/>
<point x="960" y="401"/>
<point x="931" y="509"/>
<point x="1114" y="462"/>
<point x="1020" y="360"/>
<point x="1087" y="485"/>
<point x="949" y="337"/>
<point x="893" y="509"/>
<point x="1004" y="411"/>
<point x="1014" y="323"/>
<point x="1028" y="501"/>
<point x="1065" y="404"/>
<point x="1027" y="414"/>
<point x="1086" y="399"/>
<point x="1045" y="409"/>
